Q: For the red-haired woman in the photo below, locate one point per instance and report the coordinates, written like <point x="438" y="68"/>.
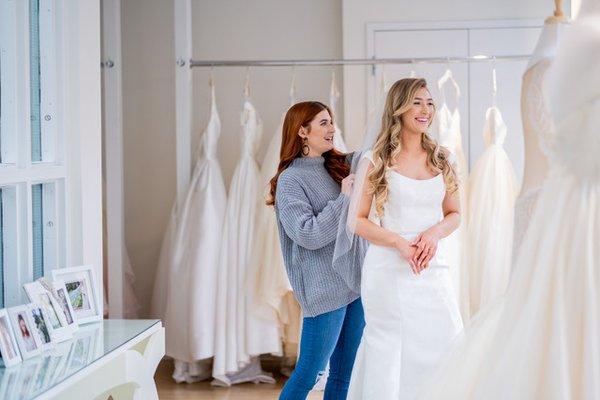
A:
<point x="308" y="194"/>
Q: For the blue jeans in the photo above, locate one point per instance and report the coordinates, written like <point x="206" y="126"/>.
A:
<point x="333" y="336"/>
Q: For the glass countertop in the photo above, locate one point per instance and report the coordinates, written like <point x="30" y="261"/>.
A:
<point x="90" y="342"/>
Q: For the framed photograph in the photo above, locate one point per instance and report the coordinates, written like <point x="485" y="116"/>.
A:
<point x="8" y="343"/>
<point x="62" y="295"/>
<point x="42" y="326"/>
<point x="55" y="317"/>
<point x="80" y="283"/>
<point x="25" y="331"/>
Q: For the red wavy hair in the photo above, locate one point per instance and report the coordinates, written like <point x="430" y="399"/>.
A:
<point x="301" y="114"/>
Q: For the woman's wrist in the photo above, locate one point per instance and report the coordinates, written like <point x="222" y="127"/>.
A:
<point x="437" y="231"/>
<point x="399" y="242"/>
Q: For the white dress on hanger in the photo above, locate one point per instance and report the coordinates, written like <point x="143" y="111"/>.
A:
<point x="541" y="340"/>
<point x="411" y="319"/>
<point x="241" y="335"/>
<point x="185" y="286"/>
<point x="492" y="192"/>
<point x="272" y="295"/>
<point x="131" y="304"/>
<point x="449" y="136"/>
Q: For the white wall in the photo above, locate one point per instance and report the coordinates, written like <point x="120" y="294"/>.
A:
<point x="357" y="13"/>
<point x="265" y="29"/>
<point x="148" y="133"/>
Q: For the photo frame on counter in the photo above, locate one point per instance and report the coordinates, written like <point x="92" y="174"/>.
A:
<point x="42" y="326"/>
<point x="25" y="332"/>
<point x="56" y="318"/>
<point x="11" y="355"/>
<point x="62" y="296"/>
<point x="81" y="286"/>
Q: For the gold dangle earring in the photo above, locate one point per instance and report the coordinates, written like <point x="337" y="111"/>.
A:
<point x="305" y="147"/>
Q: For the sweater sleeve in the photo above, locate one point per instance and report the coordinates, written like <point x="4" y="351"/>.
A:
<point x="299" y="220"/>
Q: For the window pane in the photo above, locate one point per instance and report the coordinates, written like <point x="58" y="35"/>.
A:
<point x="37" y="231"/>
<point x="8" y="44"/>
<point x="1" y="132"/>
<point x="1" y="252"/>
<point x="34" y="71"/>
<point x="11" y="270"/>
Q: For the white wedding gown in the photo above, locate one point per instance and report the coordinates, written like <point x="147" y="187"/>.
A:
<point x="411" y="320"/>
<point x="272" y="295"/>
<point x="241" y="335"/>
<point x="489" y="236"/>
<point x="185" y="286"/>
<point x="542" y="339"/>
<point x="538" y="127"/>
<point x="449" y="136"/>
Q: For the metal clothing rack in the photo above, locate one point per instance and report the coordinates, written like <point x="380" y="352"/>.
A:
<point x="358" y="61"/>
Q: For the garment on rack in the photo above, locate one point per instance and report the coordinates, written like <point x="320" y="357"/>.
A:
<point x="538" y="128"/>
<point x="240" y="333"/>
<point x="449" y="136"/>
<point x="251" y="372"/>
<point x="540" y="340"/>
<point x="185" y="286"/>
<point x="131" y="304"/>
<point x="492" y="192"/>
<point x="272" y="296"/>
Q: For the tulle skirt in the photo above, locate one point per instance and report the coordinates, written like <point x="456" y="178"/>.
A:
<point x="542" y="339"/>
<point x="489" y="234"/>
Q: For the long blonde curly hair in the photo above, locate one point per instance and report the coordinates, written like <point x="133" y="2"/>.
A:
<point x="388" y="144"/>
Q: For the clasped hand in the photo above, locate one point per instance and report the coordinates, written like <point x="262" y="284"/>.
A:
<point x="426" y="245"/>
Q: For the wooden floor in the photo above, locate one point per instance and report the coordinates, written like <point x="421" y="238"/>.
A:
<point x="169" y="390"/>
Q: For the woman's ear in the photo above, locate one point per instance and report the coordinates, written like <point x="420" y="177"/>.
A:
<point x="302" y="132"/>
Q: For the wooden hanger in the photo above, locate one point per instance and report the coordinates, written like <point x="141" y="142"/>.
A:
<point x="559" y="15"/>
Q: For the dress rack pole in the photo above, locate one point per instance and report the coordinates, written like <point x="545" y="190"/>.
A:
<point x="365" y="61"/>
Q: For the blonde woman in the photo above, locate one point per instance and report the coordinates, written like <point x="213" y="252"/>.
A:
<point x="410" y="309"/>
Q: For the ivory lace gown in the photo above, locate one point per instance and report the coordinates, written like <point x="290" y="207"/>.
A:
<point x="541" y="340"/>
<point x="537" y="121"/>
<point x="538" y="127"/>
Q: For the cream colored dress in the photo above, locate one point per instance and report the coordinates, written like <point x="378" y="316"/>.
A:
<point x="542" y="339"/>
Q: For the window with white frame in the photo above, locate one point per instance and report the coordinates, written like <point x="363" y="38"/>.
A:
<point x="32" y="168"/>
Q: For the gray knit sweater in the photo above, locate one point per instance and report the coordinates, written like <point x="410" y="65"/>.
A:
<point x="308" y="203"/>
